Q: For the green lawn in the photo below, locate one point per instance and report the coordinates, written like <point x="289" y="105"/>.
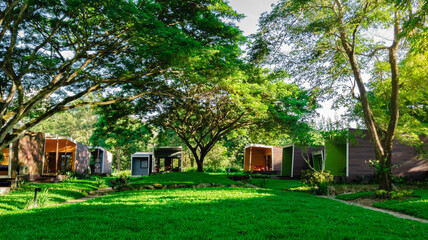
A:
<point x="415" y="206"/>
<point x="207" y="213"/>
<point x="57" y="193"/>
<point x="189" y="178"/>
<point x="276" y="184"/>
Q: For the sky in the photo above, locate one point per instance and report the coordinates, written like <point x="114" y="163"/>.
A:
<point x="252" y="9"/>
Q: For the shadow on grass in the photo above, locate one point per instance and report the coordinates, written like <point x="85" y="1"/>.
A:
<point x="210" y="213"/>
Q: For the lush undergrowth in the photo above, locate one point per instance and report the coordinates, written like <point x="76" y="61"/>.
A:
<point x="208" y="213"/>
<point x="414" y="206"/>
<point x="189" y="178"/>
<point x="276" y="184"/>
<point x="54" y="193"/>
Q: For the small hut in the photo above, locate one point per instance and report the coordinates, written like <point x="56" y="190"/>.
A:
<point x="102" y="160"/>
<point x="351" y="159"/>
<point x="141" y="164"/>
<point x="168" y="155"/>
<point x="263" y="158"/>
<point x="65" y="154"/>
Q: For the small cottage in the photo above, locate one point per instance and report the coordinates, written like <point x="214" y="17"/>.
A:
<point x="171" y="157"/>
<point x="263" y="158"/>
<point x="141" y="164"/>
<point x="102" y="160"/>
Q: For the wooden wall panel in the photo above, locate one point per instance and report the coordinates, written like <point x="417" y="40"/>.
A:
<point x="277" y="159"/>
<point x="83" y="157"/>
<point x="28" y="151"/>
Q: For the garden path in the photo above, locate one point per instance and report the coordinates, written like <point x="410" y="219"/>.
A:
<point x="399" y="215"/>
<point x="91" y="195"/>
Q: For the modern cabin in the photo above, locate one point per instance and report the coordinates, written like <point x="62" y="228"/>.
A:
<point x="351" y="159"/>
<point x="141" y="164"/>
<point x="37" y="154"/>
<point x="171" y="157"/>
<point x="263" y="158"/>
<point x="102" y="160"/>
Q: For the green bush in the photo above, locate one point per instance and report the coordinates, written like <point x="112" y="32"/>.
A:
<point x="117" y="174"/>
<point x="99" y="182"/>
<point x="396" y="194"/>
<point x="313" y="178"/>
<point x="320" y="180"/>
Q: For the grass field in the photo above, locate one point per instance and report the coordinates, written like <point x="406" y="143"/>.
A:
<point x="189" y="178"/>
<point x="56" y="192"/>
<point x="276" y="184"/>
<point x="415" y="206"/>
<point x="207" y="213"/>
<point x="197" y="213"/>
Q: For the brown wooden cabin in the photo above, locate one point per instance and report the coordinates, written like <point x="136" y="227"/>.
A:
<point x="64" y="154"/>
<point x="351" y="159"/>
<point x="37" y="154"/>
<point x="407" y="159"/>
<point x="263" y="158"/>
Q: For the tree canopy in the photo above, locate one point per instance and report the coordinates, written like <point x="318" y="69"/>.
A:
<point x="55" y="52"/>
<point x="329" y="45"/>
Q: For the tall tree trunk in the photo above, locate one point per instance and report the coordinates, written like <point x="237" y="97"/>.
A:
<point x="381" y="140"/>
<point x="118" y="158"/>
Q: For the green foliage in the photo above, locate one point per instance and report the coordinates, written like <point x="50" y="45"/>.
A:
<point x="319" y="179"/>
<point x="313" y="178"/>
<point x="99" y="182"/>
<point x="60" y="51"/>
<point x="122" y="173"/>
<point x="121" y="133"/>
<point x="395" y="194"/>
<point x="76" y="123"/>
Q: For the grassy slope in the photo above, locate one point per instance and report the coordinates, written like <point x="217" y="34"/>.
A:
<point x="190" y="178"/>
<point x="210" y="213"/>
<point x="58" y="192"/>
<point x="276" y="184"/>
<point x="415" y="206"/>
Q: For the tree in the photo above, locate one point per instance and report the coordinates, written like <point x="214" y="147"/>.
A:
<point x="201" y="116"/>
<point x="413" y="103"/>
<point x="55" y="52"/>
<point x="328" y="43"/>
<point x="118" y="130"/>
<point x="76" y="123"/>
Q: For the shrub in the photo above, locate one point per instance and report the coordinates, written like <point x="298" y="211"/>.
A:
<point x="319" y="179"/>
<point x="121" y="173"/>
<point x="42" y="199"/>
<point x="396" y="194"/>
<point x="99" y="182"/>
<point x="313" y="178"/>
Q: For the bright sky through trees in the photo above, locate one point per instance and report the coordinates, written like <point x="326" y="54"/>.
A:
<point x="252" y="9"/>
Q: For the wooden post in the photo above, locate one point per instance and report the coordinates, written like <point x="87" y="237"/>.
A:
<point x="249" y="167"/>
<point x="56" y="155"/>
<point x="66" y="144"/>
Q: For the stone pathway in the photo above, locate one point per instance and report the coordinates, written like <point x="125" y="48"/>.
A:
<point x="395" y="214"/>
<point x="91" y="195"/>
